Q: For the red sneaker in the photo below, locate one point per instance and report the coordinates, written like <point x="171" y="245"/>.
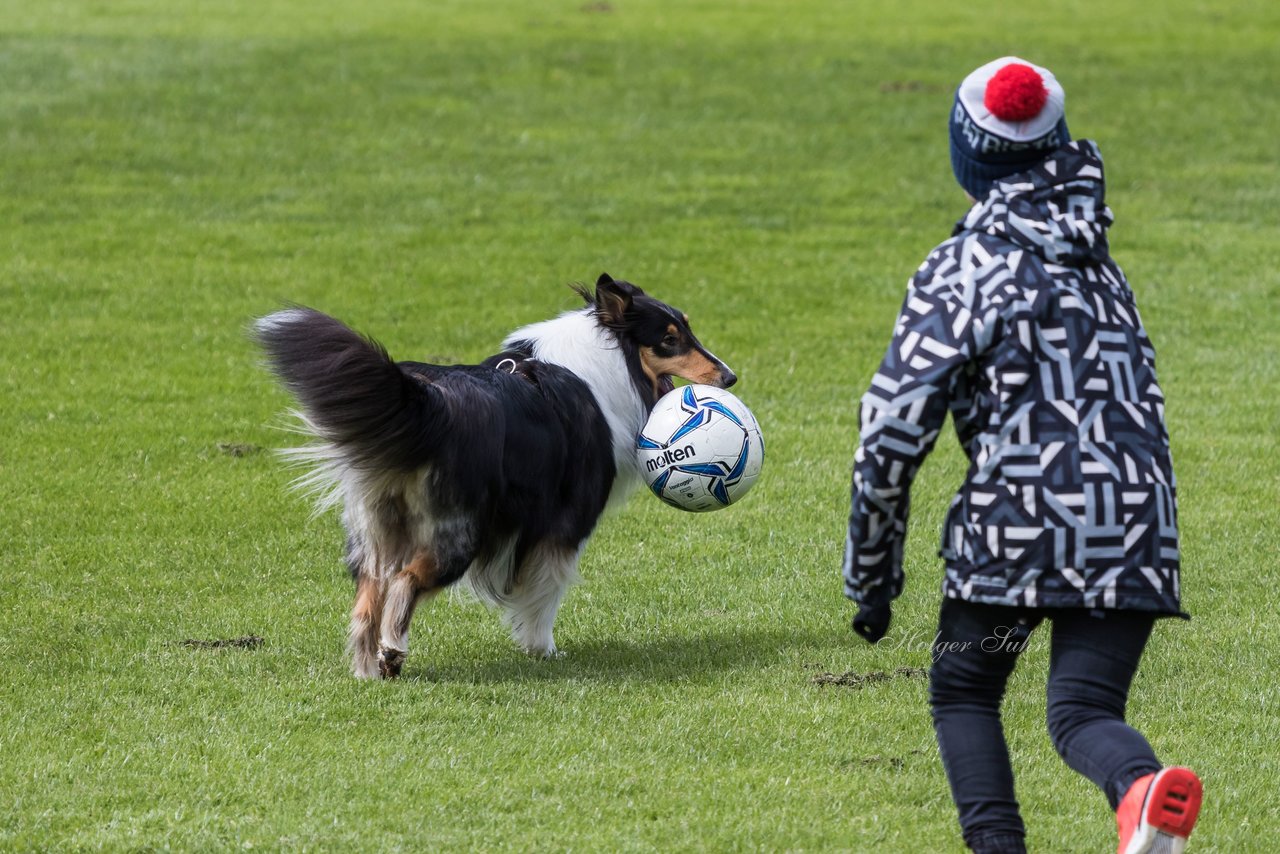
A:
<point x="1158" y="812"/>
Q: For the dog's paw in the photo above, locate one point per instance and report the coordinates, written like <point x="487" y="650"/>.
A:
<point x="364" y="665"/>
<point x="389" y="662"/>
<point x="544" y="652"/>
<point x="370" y="671"/>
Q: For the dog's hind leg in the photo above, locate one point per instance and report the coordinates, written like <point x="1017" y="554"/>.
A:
<point x="366" y="614"/>
<point x="404" y="590"/>
<point x="421" y="578"/>
<point x="366" y="621"/>
<point x="545" y="576"/>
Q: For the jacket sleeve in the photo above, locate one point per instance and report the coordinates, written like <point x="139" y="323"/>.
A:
<point x="901" y="415"/>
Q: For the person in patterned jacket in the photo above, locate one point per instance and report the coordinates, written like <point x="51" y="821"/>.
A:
<point x="1024" y="329"/>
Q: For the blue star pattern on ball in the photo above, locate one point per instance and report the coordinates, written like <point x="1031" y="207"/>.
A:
<point x="701" y="448"/>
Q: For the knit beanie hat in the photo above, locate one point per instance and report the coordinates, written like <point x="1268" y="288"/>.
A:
<point x="1008" y="116"/>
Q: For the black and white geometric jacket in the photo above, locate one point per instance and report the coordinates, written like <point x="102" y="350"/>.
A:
<point x="1024" y="329"/>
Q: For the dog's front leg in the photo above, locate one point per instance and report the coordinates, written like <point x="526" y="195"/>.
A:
<point x="547" y="574"/>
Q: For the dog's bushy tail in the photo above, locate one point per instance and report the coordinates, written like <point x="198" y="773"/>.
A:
<point x="372" y="414"/>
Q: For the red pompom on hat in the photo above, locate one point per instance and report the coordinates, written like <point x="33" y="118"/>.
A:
<point x="1016" y="93"/>
<point x="1008" y="115"/>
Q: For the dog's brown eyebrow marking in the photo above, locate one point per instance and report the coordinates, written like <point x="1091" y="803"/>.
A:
<point x="686" y="319"/>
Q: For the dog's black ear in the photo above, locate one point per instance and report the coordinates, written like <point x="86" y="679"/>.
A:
<point x="613" y="299"/>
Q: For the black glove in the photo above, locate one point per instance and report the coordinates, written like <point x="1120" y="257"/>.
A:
<point x="872" y="621"/>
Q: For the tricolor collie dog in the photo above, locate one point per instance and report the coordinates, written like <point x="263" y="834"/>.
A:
<point x="492" y="475"/>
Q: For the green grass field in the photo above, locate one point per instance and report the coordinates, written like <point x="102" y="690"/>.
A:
<point x="435" y="173"/>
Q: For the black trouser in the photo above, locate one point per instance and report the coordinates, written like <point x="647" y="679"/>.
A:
<point x="1092" y="660"/>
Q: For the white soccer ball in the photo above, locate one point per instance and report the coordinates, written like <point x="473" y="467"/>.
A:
<point x="701" y="448"/>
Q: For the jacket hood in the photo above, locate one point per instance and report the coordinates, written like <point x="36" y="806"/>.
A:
<point x="1056" y="209"/>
